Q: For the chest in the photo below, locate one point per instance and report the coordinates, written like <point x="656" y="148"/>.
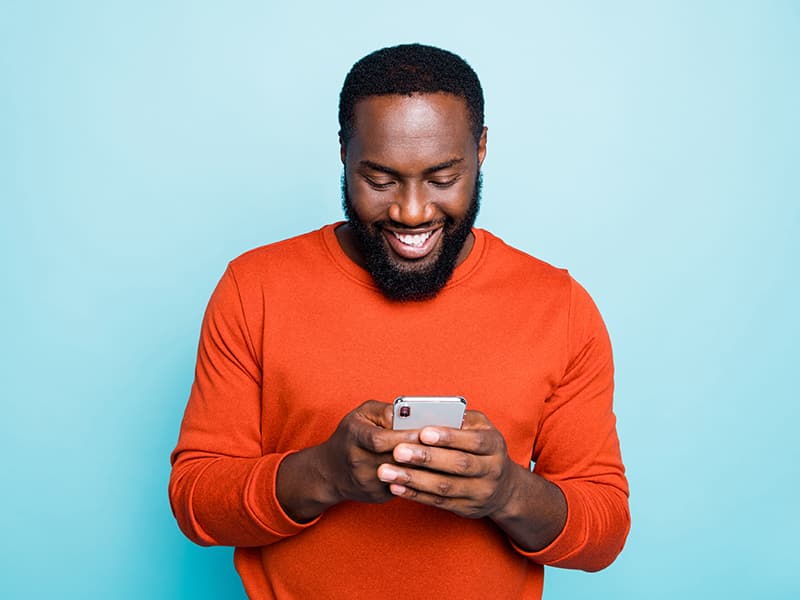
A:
<point x="323" y="358"/>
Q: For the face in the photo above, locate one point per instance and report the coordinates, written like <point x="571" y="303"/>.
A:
<point x="411" y="190"/>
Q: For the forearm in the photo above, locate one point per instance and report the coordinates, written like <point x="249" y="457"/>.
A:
<point x="597" y="525"/>
<point x="575" y="524"/>
<point x="578" y="525"/>
<point x="534" y="513"/>
<point x="220" y="500"/>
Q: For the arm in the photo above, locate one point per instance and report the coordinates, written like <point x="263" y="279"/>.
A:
<point x="572" y="510"/>
<point x="223" y="489"/>
<point x="577" y="447"/>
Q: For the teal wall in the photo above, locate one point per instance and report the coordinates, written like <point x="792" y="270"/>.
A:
<point x="651" y="147"/>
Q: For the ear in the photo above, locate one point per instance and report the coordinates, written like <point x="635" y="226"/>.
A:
<point x="342" y="149"/>
<point x="482" y="147"/>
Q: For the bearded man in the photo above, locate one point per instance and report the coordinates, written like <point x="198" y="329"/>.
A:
<point x="287" y="449"/>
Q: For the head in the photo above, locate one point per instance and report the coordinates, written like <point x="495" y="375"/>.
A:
<point x="405" y="70"/>
<point x="412" y="143"/>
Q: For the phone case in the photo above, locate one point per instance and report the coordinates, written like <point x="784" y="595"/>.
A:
<point x="416" y="412"/>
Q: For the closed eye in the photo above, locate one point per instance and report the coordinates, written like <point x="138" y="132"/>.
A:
<point x="378" y="185"/>
<point x="443" y="183"/>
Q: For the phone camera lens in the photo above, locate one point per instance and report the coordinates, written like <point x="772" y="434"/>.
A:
<point x="405" y="411"/>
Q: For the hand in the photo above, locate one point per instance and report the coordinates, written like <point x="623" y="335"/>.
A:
<point x="345" y="467"/>
<point x="466" y="471"/>
<point x="363" y="441"/>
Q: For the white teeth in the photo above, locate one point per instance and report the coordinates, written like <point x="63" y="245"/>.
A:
<point x="415" y="240"/>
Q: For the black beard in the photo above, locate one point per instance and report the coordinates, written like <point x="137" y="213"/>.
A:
<point x="411" y="284"/>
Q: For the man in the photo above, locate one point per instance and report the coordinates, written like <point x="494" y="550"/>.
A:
<point x="287" y="449"/>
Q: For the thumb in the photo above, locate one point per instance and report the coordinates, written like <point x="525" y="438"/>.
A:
<point x="378" y="413"/>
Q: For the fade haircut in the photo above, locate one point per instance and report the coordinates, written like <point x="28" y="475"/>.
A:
<point x="410" y="69"/>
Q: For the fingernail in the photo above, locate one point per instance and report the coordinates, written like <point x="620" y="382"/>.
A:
<point x="387" y="474"/>
<point x="429" y="436"/>
<point x="403" y="453"/>
<point x="397" y="490"/>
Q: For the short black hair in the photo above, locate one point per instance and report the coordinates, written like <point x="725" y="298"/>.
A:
<point x="410" y="69"/>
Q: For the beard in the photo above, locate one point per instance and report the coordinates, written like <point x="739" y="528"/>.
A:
<point x="411" y="282"/>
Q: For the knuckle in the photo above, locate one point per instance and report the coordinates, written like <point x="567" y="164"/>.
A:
<point x="444" y="488"/>
<point x="374" y="440"/>
<point x="353" y="461"/>
<point x="463" y="464"/>
<point x="485" y="498"/>
<point x="478" y="441"/>
<point x="489" y="441"/>
<point x="363" y="480"/>
<point x="425" y="457"/>
<point x="473" y="512"/>
<point x="495" y="472"/>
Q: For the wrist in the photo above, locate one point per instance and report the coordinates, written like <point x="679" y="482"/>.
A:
<point x="326" y="492"/>
<point x="304" y="487"/>
<point x="535" y="513"/>
<point x="509" y="502"/>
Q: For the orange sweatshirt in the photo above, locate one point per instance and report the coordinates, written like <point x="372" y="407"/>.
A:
<point x="296" y="335"/>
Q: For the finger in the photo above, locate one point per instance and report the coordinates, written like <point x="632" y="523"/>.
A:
<point x="483" y="441"/>
<point x="450" y="493"/>
<point x="378" y="440"/>
<point x="444" y="460"/>
<point x="475" y="419"/>
<point x="437" y="484"/>
<point x="464" y="507"/>
<point x="378" y="413"/>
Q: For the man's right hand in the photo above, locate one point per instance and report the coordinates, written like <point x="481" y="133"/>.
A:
<point x="345" y="467"/>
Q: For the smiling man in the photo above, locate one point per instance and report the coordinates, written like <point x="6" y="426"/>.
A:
<point x="411" y="190"/>
<point x="287" y="449"/>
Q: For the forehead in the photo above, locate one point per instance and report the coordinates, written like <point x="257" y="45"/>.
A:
<point x="405" y="123"/>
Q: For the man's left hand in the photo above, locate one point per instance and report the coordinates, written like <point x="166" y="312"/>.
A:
<point x="466" y="471"/>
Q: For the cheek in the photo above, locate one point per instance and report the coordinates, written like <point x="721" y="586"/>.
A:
<point x="368" y="204"/>
<point x="456" y="202"/>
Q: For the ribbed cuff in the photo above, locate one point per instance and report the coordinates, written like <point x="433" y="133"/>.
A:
<point x="571" y="538"/>
<point x="261" y="499"/>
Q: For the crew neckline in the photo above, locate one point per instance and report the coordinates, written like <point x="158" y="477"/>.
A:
<point x="362" y="276"/>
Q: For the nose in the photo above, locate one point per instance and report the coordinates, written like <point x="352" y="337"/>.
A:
<point x="411" y="207"/>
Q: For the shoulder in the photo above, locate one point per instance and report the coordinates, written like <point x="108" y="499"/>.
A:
<point x="554" y="292"/>
<point x="308" y="243"/>
<point x="537" y="280"/>
<point x="523" y="268"/>
<point x="295" y="255"/>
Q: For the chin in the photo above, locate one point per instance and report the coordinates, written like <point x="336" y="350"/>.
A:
<point x="420" y="266"/>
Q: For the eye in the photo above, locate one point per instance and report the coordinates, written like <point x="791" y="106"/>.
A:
<point x="378" y="185"/>
<point x="443" y="183"/>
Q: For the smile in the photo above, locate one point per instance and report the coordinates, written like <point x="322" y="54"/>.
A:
<point x="413" y="246"/>
<point x="416" y="240"/>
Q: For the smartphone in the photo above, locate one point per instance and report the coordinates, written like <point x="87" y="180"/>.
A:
<point x="416" y="412"/>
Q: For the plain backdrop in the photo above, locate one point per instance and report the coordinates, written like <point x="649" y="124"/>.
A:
<point x="650" y="147"/>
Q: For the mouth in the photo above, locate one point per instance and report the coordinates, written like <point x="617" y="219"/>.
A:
<point x="413" y="245"/>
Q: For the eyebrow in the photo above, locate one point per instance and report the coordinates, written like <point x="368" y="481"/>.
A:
<point x="368" y="164"/>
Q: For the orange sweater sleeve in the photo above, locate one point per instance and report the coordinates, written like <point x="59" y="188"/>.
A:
<point x="577" y="448"/>
<point x="222" y="486"/>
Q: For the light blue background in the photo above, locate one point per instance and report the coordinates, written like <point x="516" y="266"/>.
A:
<point x="652" y="148"/>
